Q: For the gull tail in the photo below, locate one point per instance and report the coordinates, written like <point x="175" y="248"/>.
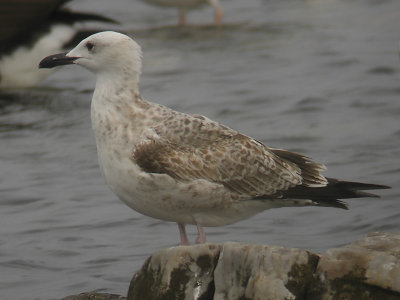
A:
<point x="335" y="190"/>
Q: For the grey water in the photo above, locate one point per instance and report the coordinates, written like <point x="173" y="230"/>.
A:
<point x="321" y="77"/>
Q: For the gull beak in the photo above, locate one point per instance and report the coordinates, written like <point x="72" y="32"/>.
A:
<point x="55" y="60"/>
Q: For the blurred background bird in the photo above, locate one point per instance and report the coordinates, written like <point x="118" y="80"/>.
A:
<point x="33" y="28"/>
<point x="185" y="5"/>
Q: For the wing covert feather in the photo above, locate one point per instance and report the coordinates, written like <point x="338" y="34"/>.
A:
<point x="190" y="147"/>
<point x="238" y="162"/>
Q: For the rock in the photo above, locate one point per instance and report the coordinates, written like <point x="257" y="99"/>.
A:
<point x="94" y="296"/>
<point x="228" y="271"/>
<point x="366" y="269"/>
<point x="183" y="272"/>
<point x="263" y="272"/>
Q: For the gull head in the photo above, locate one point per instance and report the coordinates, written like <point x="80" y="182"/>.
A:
<point x="105" y="52"/>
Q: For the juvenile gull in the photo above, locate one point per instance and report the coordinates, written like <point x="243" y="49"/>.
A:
<point x="187" y="168"/>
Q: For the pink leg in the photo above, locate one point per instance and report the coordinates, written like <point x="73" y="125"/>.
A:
<point x="182" y="232"/>
<point x="218" y="16"/>
<point x="201" y="235"/>
<point x="182" y="16"/>
<point x="219" y="13"/>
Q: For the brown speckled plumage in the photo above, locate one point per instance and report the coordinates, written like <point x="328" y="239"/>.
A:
<point x="202" y="149"/>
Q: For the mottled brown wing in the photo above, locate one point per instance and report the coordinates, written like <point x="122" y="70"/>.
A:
<point x="240" y="163"/>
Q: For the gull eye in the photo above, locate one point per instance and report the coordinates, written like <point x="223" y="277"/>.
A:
<point x="89" y="46"/>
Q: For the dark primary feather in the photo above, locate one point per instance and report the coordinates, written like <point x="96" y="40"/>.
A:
<point x="328" y="195"/>
<point x="335" y="190"/>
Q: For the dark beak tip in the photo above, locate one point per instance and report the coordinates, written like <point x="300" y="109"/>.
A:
<point x="55" y="60"/>
<point x="44" y="64"/>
